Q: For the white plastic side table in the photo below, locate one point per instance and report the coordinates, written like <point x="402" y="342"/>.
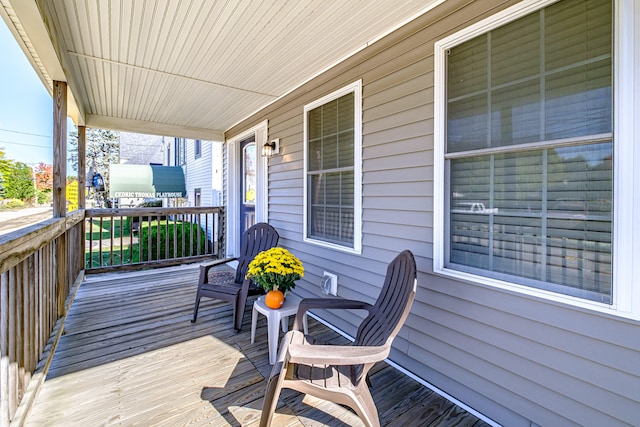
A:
<point x="275" y="317"/>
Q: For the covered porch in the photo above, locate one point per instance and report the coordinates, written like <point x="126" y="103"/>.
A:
<point x="130" y="356"/>
<point x="532" y="317"/>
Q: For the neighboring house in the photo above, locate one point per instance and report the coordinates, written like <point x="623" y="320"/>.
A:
<point x="202" y="165"/>
<point x="527" y="310"/>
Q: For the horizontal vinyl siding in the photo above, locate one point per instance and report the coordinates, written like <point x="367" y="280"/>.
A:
<point x="517" y="359"/>
<point x="198" y="172"/>
<point x="530" y="347"/>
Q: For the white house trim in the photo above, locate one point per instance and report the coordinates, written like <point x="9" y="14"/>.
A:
<point x="233" y="184"/>
<point x="356" y="88"/>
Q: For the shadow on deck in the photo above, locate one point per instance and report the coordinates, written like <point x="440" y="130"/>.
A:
<point x="130" y="356"/>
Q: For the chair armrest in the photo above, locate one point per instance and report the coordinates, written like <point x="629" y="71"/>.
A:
<point x="208" y="265"/>
<point x="327" y="303"/>
<point x="335" y="354"/>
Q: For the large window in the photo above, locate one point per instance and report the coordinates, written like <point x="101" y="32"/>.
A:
<point x="528" y="151"/>
<point x="332" y="169"/>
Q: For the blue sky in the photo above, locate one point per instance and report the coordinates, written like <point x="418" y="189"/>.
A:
<point x="26" y="109"/>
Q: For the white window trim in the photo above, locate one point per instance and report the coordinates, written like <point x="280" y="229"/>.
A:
<point x="233" y="184"/>
<point x="356" y="88"/>
<point x="626" y="93"/>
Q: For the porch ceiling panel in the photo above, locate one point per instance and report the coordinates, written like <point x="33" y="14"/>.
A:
<point x="206" y="64"/>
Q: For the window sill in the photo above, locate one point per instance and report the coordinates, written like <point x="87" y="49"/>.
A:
<point x="539" y="294"/>
<point x="333" y="246"/>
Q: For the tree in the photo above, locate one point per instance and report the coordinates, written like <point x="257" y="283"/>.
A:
<point x="17" y="179"/>
<point x="44" y="177"/>
<point x="3" y="189"/>
<point x="103" y="149"/>
<point x="19" y="182"/>
<point x="3" y="171"/>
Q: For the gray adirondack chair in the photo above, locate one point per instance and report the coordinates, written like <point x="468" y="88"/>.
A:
<point x="235" y="288"/>
<point x="338" y="373"/>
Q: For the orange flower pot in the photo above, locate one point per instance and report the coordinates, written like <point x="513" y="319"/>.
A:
<point x="274" y="299"/>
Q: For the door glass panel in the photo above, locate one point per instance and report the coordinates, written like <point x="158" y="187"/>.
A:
<point x="248" y="184"/>
<point x="249" y="171"/>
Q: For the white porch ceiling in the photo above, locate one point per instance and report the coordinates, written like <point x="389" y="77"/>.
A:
<point x="197" y="67"/>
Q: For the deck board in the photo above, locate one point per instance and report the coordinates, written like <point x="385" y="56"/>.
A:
<point x="131" y="357"/>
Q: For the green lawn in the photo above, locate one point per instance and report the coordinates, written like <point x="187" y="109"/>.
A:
<point x="97" y="261"/>
<point x="120" y="228"/>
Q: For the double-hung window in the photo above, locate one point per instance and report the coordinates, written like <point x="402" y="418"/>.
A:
<point x="332" y="169"/>
<point x="525" y="150"/>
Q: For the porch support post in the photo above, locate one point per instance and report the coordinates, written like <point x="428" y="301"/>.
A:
<point x="59" y="149"/>
<point x="82" y="167"/>
<point x="82" y="189"/>
<point x="60" y="184"/>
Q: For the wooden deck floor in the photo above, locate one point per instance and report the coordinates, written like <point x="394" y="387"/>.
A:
<point x="130" y="357"/>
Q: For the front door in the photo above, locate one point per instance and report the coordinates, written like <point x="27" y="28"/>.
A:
<point x="248" y="186"/>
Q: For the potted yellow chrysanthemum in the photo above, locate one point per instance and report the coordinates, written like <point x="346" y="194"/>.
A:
<point x="276" y="271"/>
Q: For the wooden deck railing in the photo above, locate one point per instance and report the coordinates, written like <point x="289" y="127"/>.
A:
<point x="142" y="237"/>
<point x="40" y="266"/>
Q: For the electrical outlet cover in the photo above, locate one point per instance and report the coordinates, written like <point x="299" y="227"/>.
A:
<point x="329" y="284"/>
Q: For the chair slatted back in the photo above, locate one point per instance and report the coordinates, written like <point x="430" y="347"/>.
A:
<point x="384" y="320"/>
<point x="256" y="239"/>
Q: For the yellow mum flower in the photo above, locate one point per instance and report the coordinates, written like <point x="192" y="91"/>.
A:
<point x="275" y="268"/>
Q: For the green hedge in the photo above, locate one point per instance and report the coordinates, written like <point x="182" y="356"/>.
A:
<point x="190" y="231"/>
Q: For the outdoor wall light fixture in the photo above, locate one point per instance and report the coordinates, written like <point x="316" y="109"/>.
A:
<point x="271" y="148"/>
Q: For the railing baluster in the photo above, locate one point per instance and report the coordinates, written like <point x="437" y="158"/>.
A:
<point x="182" y="235"/>
<point x="121" y="239"/>
<point x="199" y="232"/>
<point x="111" y="234"/>
<point x="89" y="263"/>
<point x="191" y="221"/>
<point x="31" y="342"/>
<point x="206" y="233"/>
<point x="220" y="235"/>
<point x="149" y="238"/>
<point x="130" y="221"/>
<point x="158" y="236"/>
<point x="13" y="331"/>
<point x="4" y="349"/>
<point x="138" y="243"/>
<point x="175" y="236"/>
<point x="100" y="242"/>
<point x="19" y="329"/>
<point x="166" y="237"/>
